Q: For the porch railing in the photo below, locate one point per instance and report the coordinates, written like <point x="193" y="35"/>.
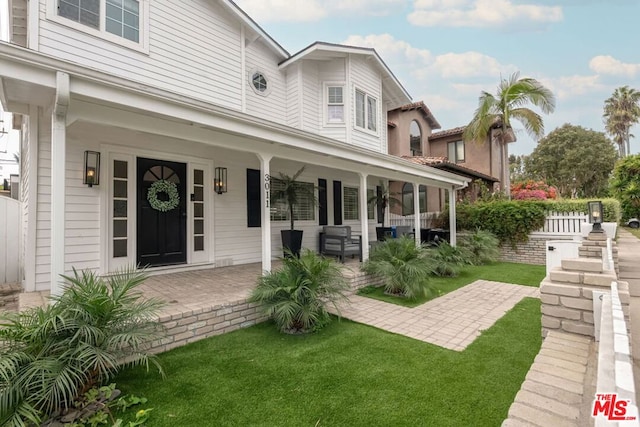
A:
<point x="427" y="219"/>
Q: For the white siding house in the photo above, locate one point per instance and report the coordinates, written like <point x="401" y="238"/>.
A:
<point x="169" y="93"/>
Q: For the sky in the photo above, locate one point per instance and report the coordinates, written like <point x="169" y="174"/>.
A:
<point x="445" y="52"/>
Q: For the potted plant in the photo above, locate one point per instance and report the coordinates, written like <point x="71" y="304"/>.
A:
<point x="382" y="198"/>
<point x="292" y="192"/>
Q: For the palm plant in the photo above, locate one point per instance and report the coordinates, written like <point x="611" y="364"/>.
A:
<point x="402" y="265"/>
<point x="482" y="247"/>
<point x="297" y="295"/>
<point x="621" y="111"/>
<point x="49" y="356"/>
<point x="383" y="198"/>
<point x="447" y="260"/>
<point x="494" y="113"/>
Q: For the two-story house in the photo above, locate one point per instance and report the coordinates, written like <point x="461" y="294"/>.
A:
<point x="152" y="130"/>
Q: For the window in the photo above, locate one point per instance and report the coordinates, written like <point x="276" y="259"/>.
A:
<point x="125" y="22"/>
<point x="350" y="203"/>
<point x="415" y="139"/>
<point x="366" y="111"/>
<point x="335" y="104"/>
<point x="407" y="199"/>
<point x="456" y="151"/>
<point x="371" y="207"/>
<point x="303" y="211"/>
<point x="86" y="12"/>
<point x="120" y="208"/>
<point x="259" y="82"/>
<point x="123" y="19"/>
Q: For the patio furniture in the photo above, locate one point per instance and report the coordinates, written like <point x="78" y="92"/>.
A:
<point x="337" y="240"/>
<point x="404" y="230"/>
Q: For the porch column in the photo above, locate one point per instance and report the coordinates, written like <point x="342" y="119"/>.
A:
<point x="416" y="212"/>
<point x="452" y="215"/>
<point x="58" y="177"/>
<point x="364" y="217"/>
<point x="265" y="213"/>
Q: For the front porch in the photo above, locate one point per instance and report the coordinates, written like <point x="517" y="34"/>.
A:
<point x="207" y="302"/>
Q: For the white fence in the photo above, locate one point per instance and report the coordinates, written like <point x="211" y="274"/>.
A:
<point x="563" y="223"/>
<point x="427" y="219"/>
<point x="9" y="240"/>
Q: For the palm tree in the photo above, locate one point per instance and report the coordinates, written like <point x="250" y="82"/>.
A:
<point x="621" y="111"/>
<point x="494" y="114"/>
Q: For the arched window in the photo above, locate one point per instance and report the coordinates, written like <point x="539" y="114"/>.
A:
<point x="415" y="139"/>
<point x="407" y="199"/>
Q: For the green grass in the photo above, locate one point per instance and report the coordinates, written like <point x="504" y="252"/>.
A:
<point x="348" y="375"/>
<point x="519" y="274"/>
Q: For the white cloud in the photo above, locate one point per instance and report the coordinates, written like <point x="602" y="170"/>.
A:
<point x="392" y="50"/>
<point x="314" y="10"/>
<point x="605" y="64"/>
<point x="481" y="13"/>
<point x="468" y="64"/>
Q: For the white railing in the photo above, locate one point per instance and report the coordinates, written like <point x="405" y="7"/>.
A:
<point x="427" y="219"/>
<point x="563" y="223"/>
<point x="9" y="240"/>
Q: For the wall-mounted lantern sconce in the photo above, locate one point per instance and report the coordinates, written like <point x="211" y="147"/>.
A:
<point x="91" y="168"/>
<point x="220" y="182"/>
<point x="595" y="215"/>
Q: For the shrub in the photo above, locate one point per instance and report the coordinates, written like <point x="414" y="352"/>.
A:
<point x="296" y="296"/>
<point x="510" y="222"/>
<point x="50" y="356"/>
<point x="625" y="185"/>
<point x="447" y="260"/>
<point x="482" y="247"/>
<point x="532" y="190"/>
<point x="402" y="265"/>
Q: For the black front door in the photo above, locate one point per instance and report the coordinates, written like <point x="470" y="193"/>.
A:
<point x="162" y="212"/>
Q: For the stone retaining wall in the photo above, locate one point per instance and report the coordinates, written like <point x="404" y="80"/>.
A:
<point x="186" y="327"/>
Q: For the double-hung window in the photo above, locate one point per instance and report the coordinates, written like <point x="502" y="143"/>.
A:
<point x="115" y="20"/>
<point x="366" y="111"/>
<point x="335" y="104"/>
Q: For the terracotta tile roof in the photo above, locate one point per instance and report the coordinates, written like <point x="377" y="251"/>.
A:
<point x="444" y="164"/>
<point x="447" y="132"/>
<point x="428" y="115"/>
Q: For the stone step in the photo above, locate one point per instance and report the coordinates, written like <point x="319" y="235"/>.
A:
<point x="581" y="264"/>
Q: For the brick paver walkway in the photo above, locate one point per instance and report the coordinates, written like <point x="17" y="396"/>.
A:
<point x="452" y="321"/>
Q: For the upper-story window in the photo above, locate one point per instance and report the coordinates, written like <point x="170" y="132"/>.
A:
<point x="415" y="139"/>
<point x="120" y="21"/>
<point x="259" y="82"/>
<point x="366" y="111"/>
<point x="455" y="151"/>
<point x="335" y="104"/>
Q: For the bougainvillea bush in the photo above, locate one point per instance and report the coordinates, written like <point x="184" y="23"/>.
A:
<point x="533" y="190"/>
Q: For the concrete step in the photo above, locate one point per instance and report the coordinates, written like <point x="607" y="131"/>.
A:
<point x="582" y="264"/>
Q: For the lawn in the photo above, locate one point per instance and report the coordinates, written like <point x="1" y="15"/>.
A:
<point x="349" y="374"/>
<point x="520" y="274"/>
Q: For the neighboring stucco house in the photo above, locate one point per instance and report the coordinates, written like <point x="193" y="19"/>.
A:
<point x="412" y="136"/>
<point x="192" y="108"/>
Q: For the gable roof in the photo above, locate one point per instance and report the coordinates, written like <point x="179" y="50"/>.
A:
<point x="249" y="22"/>
<point x="323" y="50"/>
<point x="443" y="163"/>
<point x="426" y="112"/>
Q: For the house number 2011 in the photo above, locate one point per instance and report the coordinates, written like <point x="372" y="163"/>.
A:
<point x="267" y="188"/>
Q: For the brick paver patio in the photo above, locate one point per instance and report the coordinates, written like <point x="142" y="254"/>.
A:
<point x="452" y="321"/>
